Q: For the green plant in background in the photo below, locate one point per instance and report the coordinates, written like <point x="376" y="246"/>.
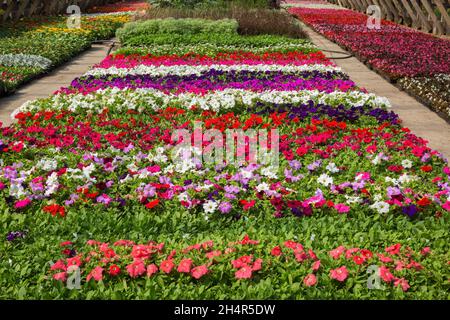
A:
<point x="177" y="27"/>
<point x="210" y="3"/>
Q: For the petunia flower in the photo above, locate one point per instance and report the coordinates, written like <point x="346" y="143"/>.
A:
<point x="339" y="274"/>
<point x="310" y="280"/>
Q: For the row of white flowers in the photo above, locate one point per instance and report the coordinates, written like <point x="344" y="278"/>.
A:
<point x="25" y="60"/>
<point x="141" y="99"/>
<point x="183" y="70"/>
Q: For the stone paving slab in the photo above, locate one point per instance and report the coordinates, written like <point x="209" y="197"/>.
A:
<point x="58" y="78"/>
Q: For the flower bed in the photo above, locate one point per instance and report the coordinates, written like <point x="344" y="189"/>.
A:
<point x="95" y="163"/>
<point x="32" y="48"/>
<point x="395" y="51"/>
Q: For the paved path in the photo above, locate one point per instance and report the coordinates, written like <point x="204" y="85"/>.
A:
<point x="422" y="121"/>
<point x="45" y="86"/>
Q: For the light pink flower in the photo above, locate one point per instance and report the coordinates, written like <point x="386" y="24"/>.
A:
<point x="316" y="265"/>
<point x="336" y="253"/>
<point x="385" y="274"/>
<point x="96" y="274"/>
<point x="244" y="273"/>
<point x="310" y="280"/>
<point x="403" y="283"/>
<point x="151" y="269"/>
<point x="61" y="276"/>
<point x="185" y="266"/>
<point x="339" y="274"/>
<point x="199" y="271"/>
<point x="167" y="266"/>
<point x="136" y="269"/>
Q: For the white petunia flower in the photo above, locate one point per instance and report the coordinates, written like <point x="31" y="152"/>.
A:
<point x="209" y="206"/>
<point x="325" y="179"/>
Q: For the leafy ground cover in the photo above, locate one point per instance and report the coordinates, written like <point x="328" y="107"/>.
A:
<point x="91" y="188"/>
<point x="404" y="55"/>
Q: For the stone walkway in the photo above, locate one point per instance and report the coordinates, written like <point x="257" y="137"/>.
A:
<point x="422" y="121"/>
<point x="45" y="86"/>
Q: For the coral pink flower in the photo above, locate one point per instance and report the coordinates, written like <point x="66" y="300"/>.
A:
<point x="96" y="274"/>
<point x="339" y="274"/>
<point x="336" y="253"/>
<point x="61" y="276"/>
<point x="242" y="261"/>
<point x="383" y="258"/>
<point x="385" y="274"/>
<point x="243" y="273"/>
<point x="425" y="251"/>
<point x="403" y="283"/>
<point x="199" y="271"/>
<point x="349" y="253"/>
<point x="276" y="251"/>
<point x="75" y="261"/>
<point x="136" y="269"/>
<point x="140" y="252"/>
<point x="59" y="265"/>
<point x="66" y="243"/>
<point x="316" y="265"/>
<point x="151" y="270"/>
<point x="167" y="266"/>
<point x="393" y="250"/>
<point x="212" y="254"/>
<point x="257" y="265"/>
<point x="185" y="266"/>
<point x="312" y="255"/>
<point x="310" y="280"/>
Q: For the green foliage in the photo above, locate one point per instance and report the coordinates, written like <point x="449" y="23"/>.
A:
<point x="211" y="39"/>
<point x="170" y="27"/>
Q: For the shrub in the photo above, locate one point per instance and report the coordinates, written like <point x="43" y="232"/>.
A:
<point x="251" y="21"/>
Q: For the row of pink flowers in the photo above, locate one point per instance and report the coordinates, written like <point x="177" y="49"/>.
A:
<point x="279" y="58"/>
<point x="243" y="258"/>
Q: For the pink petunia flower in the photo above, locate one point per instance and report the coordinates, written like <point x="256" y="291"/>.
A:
<point x="243" y="273"/>
<point x="59" y="265"/>
<point x="167" y="266"/>
<point x="22" y="203"/>
<point x="425" y="251"/>
<point x="403" y="283"/>
<point x="336" y="253"/>
<point x="342" y="208"/>
<point x="385" y="274"/>
<point x="339" y="274"/>
<point x="136" y="269"/>
<point x="61" y="276"/>
<point x="151" y="269"/>
<point x="316" y="266"/>
<point x="257" y="265"/>
<point x="310" y="280"/>
<point x="185" y="266"/>
<point x="276" y="251"/>
<point x="96" y="274"/>
<point x="199" y="271"/>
